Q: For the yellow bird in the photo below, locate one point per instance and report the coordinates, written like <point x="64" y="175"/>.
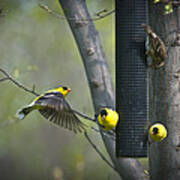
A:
<point x="107" y="118"/>
<point x="53" y="106"/>
<point x="163" y="1"/>
<point x="168" y="5"/>
<point x="158" y="132"/>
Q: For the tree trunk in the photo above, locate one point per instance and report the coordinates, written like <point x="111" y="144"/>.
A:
<point x="98" y="76"/>
<point x="165" y="97"/>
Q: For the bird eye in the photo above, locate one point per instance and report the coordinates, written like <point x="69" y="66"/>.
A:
<point x="155" y="130"/>
<point x="65" y="88"/>
<point x="103" y="112"/>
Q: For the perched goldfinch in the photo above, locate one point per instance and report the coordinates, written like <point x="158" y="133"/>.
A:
<point x="168" y="5"/>
<point x="107" y="118"/>
<point x="158" y="132"/>
<point x="53" y="106"/>
<point x="169" y="8"/>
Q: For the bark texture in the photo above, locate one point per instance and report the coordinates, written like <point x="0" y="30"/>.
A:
<point x="165" y="96"/>
<point x="98" y="76"/>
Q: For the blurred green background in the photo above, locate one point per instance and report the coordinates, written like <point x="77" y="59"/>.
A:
<point x="39" y="49"/>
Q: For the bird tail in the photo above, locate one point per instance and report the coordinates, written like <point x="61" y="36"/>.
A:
<point x="21" y="113"/>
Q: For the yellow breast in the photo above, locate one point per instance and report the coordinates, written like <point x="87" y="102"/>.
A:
<point x="162" y="132"/>
<point x="110" y="121"/>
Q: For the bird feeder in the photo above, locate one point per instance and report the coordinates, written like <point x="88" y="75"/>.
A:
<point x="131" y="78"/>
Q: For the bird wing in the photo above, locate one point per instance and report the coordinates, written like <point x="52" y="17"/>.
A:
<point x="157" y="47"/>
<point x="57" y="110"/>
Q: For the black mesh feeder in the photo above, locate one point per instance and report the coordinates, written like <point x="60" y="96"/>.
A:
<point x="131" y="78"/>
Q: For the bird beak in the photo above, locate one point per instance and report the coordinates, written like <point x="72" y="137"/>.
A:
<point x="69" y="90"/>
<point x="103" y="117"/>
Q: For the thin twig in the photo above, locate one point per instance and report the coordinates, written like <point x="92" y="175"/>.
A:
<point x="83" y="115"/>
<point x="8" y="77"/>
<point x="101" y="12"/>
<point x="98" y="151"/>
<point x="4" y="79"/>
<point x="45" y="7"/>
<point x="94" y="129"/>
<point x="103" y="16"/>
<point x="109" y="134"/>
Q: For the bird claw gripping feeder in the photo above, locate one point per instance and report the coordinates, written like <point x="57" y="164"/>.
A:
<point x="131" y="78"/>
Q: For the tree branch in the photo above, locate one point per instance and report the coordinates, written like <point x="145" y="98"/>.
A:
<point x="99" y="78"/>
<point x="83" y="115"/>
<point x="98" y="151"/>
<point x="99" y="14"/>
<point x="8" y="77"/>
<point x="164" y="98"/>
<point x="3" y="79"/>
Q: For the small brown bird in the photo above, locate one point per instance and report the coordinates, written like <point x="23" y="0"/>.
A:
<point x="157" y="49"/>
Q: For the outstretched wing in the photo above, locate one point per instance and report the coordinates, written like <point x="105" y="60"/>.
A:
<point x="57" y="110"/>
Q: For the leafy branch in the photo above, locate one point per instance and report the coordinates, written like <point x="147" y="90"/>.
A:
<point x="8" y="77"/>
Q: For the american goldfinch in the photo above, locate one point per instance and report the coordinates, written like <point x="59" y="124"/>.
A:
<point x="107" y="118"/>
<point x="169" y="8"/>
<point x="157" y="132"/>
<point x="53" y="106"/>
<point x="168" y="5"/>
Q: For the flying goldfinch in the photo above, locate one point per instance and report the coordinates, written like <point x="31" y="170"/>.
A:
<point x="53" y="106"/>
<point x="107" y="118"/>
<point x="157" y="132"/>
